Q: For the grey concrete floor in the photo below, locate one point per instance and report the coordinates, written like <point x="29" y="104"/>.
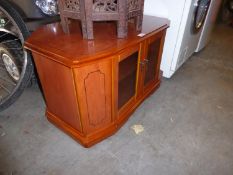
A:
<point x="188" y="128"/>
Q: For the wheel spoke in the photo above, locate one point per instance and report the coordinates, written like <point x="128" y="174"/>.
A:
<point x="8" y="81"/>
<point x="4" y="69"/>
<point x="6" y="23"/>
<point x="7" y="90"/>
<point x="8" y="41"/>
<point x="16" y="48"/>
<point x="3" y="66"/>
<point x="3" y="35"/>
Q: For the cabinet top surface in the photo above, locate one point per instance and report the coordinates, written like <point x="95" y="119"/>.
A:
<point x="71" y="49"/>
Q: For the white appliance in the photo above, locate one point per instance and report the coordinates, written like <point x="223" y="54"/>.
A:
<point x="181" y="39"/>
<point x="208" y="24"/>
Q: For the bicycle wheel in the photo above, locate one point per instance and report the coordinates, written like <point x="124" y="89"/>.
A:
<point x="15" y="63"/>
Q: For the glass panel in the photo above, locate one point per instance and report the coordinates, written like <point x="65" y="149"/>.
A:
<point x="127" y="79"/>
<point x="151" y="61"/>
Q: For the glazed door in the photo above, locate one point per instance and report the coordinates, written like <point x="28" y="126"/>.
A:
<point x="127" y="78"/>
<point x="151" y="61"/>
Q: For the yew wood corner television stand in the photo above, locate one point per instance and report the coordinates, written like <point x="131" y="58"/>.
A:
<point x="92" y="86"/>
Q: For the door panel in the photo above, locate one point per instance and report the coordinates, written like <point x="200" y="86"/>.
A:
<point x="127" y="77"/>
<point x="94" y="86"/>
<point x="151" y="61"/>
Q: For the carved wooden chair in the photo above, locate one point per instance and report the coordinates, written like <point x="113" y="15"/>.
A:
<point x="89" y="11"/>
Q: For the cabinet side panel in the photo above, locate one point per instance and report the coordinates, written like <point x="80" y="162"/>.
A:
<point x="59" y="90"/>
<point x="94" y="87"/>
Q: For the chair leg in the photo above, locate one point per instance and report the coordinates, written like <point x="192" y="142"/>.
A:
<point x="122" y="27"/>
<point x="86" y="12"/>
<point x="84" y="28"/>
<point x="140" y="17"/>
<point x="64" y="20"/>
<point x="122" y="24"/>
<point x="65" y="24"/>
<point x="90" y="34"/>
<point x="139" y="23"/>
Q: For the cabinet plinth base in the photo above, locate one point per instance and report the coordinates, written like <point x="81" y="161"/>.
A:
<point x="90" y="140"/>
<point x="86" y="141"/>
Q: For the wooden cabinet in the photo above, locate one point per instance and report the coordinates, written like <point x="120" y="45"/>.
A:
<point x="92" y="87"/>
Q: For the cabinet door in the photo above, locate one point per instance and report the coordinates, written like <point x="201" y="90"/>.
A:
<point x="152" y="60"/>
<point x="127" y="77"/>
<point x="94" y="87"/>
